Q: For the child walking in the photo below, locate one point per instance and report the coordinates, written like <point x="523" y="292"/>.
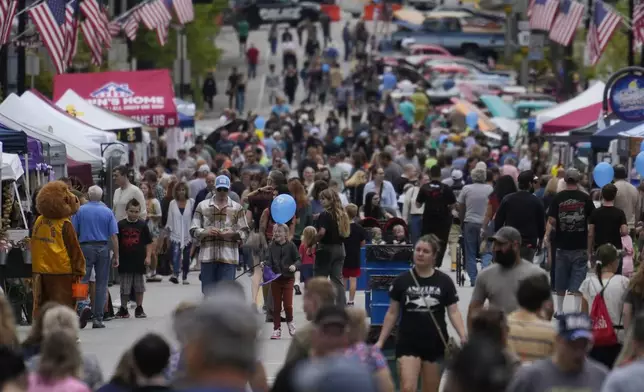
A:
<point x="283" y="258"/>
<point x="307" y="253"/>
<point x="135" y="251"/>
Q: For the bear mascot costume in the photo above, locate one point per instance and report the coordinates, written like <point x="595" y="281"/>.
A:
<point x="57" y="259"/>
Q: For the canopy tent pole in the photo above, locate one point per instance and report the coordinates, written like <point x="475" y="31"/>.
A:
<point x="22" y="211"/>
<point x="27" y="187"/>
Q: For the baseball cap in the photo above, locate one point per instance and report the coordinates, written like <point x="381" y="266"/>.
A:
<point x="572" y="176"/>
<point x="507" y="234"/>
<point x="315" y="131"/>
<point x="204" y="169"/>
<point x="573" y="326"/>
<point x="222" y="182"/>
<point x="457" y="175"/>
<point x="331" y="315"/>
<point x="526" y="177"/>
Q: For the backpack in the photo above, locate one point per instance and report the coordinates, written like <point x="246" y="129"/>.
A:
<point x="603" y="331"/>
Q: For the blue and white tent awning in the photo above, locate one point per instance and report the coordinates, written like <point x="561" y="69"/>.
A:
<point x="186" y="113"/>
<point x="601" y="139"/>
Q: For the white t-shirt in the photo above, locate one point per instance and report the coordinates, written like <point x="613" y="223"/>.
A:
<point x="614" y="294"/>
<point x="123" y="196"/>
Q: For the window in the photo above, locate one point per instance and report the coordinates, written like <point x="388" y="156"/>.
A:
<point x="432" y="25"/>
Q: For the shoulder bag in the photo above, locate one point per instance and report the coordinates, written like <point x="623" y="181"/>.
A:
<point x="451" y="347"/>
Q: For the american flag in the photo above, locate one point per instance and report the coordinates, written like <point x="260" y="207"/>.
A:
<point x="49" y="19"/>
<point x="131" y="26"/>
<point x="184" y="11"/>
<point x="155" y="15"/>
<point x="603" y="24"/>
<point x="90" y="37"/>
<point x="93" y="13"/>
<point x="8" y="10"/>
<point x="567" y="21"/>
<point x="543" y="14"/>
<point x="114" y="27"/>
<point x="71" y="31"/>
<point x="638" y="21"/>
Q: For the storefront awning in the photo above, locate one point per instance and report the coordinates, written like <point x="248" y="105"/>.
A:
<point x="145" y="96"/>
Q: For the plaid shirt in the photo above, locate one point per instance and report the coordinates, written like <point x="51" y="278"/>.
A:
<point x="207" y="216"/>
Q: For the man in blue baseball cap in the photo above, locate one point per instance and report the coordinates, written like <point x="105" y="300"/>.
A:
<point x="569" y="368"/>
<point x="220" y="225"/>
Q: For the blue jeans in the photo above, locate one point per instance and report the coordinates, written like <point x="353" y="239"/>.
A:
<point x="97" y="256"/>
<point x="273" y="46"/>
<point x="472" y="240"/>
<point x="571" y="268"/>
<point x="178" y="256"/>
<point x="347" y="50"/>
<point x="240" y="98"/>
<point x="252" y="71"/>
<point x="415" y="227"/>
<point x="213" y="273"/>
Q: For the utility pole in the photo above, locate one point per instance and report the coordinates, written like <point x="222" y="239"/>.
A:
<point x="21" y="50"/>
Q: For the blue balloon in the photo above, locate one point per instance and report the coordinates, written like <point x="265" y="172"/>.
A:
<point x="472" y="120"/>
<point x="448" y="84"/>
<point x="325" y="68"/>
<point x="283" y="208"/>
<point x="603" y="174"/>
<point x="639" y="163"/>
<point x="260" y="122"/>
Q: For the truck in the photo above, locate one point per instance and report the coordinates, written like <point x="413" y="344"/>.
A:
<point x="458" y="32"/>
<point x="266" y="12"/>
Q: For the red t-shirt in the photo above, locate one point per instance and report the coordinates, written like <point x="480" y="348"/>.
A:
<point x="253" y="55"/>
<point x="305" y="256"/>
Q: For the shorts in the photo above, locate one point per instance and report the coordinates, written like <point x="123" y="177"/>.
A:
<point x="306" y="272"/>
<point x="426" y="351"/>
<point x="131" y="280"/>
<point x="242" y="40"/>
<point x="351" y="272"/>
<point x="343" y="111"/>
<point x="571" y="267"/>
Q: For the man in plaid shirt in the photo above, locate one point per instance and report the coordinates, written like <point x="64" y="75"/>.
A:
<point x="219" y="224"/>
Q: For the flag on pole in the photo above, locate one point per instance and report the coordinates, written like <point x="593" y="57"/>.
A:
<point x="93" y="13"/>
<point x="530" y="6"/>
<point x="131" y="26"/>
<point x="570" y="14"/>
<point x="603" y="24"/>
<point x="114" y="27"/>
<point x="71" y="31"/>
<point x="155" y="15"/>
<point x="8" y="10"/>
<point x="49" y="19"/>
<point x="91" y="39"/>
<point x="184" y="10"/>
<point x="638" y="21"/>
<point x="543" y="14"/>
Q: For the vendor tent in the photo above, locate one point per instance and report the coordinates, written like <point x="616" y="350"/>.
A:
<point x="589" y="97"/>
<point x="13" y="142"/>
<point x="602" y="138"/>
<point x="37" y="100"/>
<point x="78" y="147"/>
<point x="125" y="129"/>
<point x="576" y="119"/>
<point x="54" y="152"/>
<point x="80" y="170"/>
<point x="146" y="96"/>
<point x="11" y="167"/>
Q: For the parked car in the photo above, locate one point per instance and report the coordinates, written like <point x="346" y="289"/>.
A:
<point x="425" y="49"/>
<point x="461" y="35"/>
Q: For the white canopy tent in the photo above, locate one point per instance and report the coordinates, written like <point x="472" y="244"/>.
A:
<point x="11" y="167"/>
<point x="589" y="97"/>
<point x="78" y="147"/>
<point x="62" y="118"/>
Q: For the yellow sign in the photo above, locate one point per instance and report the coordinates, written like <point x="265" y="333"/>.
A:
<point x="71" y="110"/>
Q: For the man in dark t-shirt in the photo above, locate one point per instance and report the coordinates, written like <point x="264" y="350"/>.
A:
<point x="437" y="200"/>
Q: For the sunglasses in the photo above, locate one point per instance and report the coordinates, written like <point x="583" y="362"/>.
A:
<point x="222" y="190"/>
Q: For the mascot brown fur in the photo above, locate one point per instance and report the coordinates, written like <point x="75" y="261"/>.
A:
<point x="57" y="259"/>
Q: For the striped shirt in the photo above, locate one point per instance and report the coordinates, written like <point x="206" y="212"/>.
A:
<point x="230" y="217"/>
<point x="530" y="337"/>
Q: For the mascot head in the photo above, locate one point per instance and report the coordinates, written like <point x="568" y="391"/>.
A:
<point x="56" y="201"/>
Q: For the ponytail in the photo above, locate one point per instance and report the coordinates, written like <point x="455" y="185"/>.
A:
<point x="598" y="271"/>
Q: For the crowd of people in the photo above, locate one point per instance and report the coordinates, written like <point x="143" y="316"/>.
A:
<point x="397" y="175"/>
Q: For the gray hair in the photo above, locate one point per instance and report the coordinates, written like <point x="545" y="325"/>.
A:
<point x="235" y="342"/>
<point x="479" y="175"/>
<point x="60" y="318"/>
<point x="95" y="193"/>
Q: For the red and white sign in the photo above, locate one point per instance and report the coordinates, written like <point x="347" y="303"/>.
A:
<point x="146" y="96"/>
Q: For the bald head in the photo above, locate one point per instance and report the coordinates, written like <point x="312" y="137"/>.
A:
<point x="210" y="181"/>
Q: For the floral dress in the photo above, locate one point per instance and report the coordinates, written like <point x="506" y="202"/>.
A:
<point x="154" y="210"/>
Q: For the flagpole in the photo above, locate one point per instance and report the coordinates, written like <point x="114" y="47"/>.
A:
<point x="631" y="38"/>
<point x="130" y="11"/>
<point x="25" y="9"/>
<point x="21" y="77"/>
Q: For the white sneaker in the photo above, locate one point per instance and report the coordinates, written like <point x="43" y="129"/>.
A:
<point x="185" y="281"/>
<point x="277" y="334"/>
<point x="291" y="328"/>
